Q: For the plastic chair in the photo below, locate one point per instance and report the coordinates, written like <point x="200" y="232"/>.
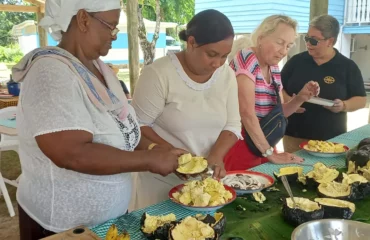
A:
<point x="8" y="143"/>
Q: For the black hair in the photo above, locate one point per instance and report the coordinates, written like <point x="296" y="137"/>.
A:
<point x="208" y="26"/>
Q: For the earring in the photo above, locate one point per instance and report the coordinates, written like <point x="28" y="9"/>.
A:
<point x="259" y="46"/>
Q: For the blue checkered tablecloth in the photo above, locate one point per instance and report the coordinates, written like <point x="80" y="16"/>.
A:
<point x="131" y="222"/>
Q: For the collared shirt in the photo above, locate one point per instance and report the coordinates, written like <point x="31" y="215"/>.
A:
<point x="339" y="78"/>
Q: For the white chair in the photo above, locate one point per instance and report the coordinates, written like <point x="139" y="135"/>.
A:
<point x="8" y="143"/>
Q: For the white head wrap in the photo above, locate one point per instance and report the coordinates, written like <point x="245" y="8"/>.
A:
<point x="58" y="13"/>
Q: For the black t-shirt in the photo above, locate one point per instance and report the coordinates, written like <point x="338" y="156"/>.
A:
<point x="340" y="78"/>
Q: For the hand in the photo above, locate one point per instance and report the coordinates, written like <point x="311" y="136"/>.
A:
<point x="164" y="161"/>
<point x="337" y="107"/>
<point x="217" y="165"/>
<point x="284" y="158"/>
<point x="309" y="90"/>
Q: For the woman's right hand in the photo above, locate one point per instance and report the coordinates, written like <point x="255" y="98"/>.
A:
<point x="284" y="158"/>
<point x="164" y="161"/>
<point x="309" y="90"/>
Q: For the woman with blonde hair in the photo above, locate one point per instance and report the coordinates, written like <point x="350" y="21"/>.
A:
<point x="262" y="110"/>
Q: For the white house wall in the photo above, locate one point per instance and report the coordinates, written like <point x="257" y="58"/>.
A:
<point x="361" y="56"/>
<point x="28" y="43"/>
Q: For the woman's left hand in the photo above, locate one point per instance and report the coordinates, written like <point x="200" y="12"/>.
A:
<point x="337" y="107"/>
<point x="217" y="165"/>
<point x="309" y="90"/>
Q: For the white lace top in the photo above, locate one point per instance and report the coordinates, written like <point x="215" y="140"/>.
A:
<point x="52" y="100"/>
<point x="185" y="113"/>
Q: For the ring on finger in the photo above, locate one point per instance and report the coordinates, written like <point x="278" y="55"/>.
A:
<point x="292" y="158"/>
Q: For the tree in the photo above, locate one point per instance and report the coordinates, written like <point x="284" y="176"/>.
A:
<point x="9" y="19"/>
<point x="148" y="47"/>
<point x="179" y="11"/>
<point x="133" y="50"/>
<point x="318" y="7"/>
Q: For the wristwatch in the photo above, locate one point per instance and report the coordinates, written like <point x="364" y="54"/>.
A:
<point x="268" y="152"/>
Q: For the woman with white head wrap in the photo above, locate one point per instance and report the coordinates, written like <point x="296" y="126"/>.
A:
<point x="78" y="135"/>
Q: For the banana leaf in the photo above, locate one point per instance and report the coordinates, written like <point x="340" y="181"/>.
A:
<point x="247" y="219"/>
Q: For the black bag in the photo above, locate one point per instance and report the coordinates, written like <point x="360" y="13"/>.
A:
<point x="273" y="125"/>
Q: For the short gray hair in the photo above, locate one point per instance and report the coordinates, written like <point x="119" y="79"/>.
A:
<point x="327" y="25"/>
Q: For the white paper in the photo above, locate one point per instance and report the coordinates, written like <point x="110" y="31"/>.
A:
<point x="321" y="101"/>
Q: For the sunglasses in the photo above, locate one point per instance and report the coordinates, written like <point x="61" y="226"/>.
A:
<point x="313" y="41"/>
<point x="114" y="30"/>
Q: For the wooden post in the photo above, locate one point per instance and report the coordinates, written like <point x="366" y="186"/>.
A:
<point x="133" y="42"/>
<point x="43" y="37"/>
<point x="318" y="7"/>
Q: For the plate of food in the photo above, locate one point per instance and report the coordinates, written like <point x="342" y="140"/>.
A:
<point x="324" y="148"/>
<point x="321" y="101"/>
<point x="202" y="195"/>
<point x="244" y="182"/>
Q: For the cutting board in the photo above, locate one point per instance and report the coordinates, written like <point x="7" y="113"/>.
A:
<point x="78" y="233"/>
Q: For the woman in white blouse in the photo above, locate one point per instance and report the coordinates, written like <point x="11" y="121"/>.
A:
<point x="78" y="135"/>
<point x="189" y="100"/>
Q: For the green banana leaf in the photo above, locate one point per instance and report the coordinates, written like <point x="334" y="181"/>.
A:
<point x="248" y="219"/>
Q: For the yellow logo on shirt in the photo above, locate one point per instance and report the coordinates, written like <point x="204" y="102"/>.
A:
<point x="329" y="80"/>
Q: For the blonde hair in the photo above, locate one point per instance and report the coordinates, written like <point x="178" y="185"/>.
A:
<point x="267" y="27"/>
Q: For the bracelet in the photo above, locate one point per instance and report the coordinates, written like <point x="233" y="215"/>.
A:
<point x="151" y="146"/>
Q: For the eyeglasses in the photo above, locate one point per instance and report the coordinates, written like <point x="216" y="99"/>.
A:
<point x="313" y="41"/>
<point x="114" y="30"/>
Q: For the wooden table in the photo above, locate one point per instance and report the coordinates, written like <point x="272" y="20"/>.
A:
<point x="8" y="102"/>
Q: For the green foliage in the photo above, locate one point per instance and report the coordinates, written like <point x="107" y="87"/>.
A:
<point x="178" y="11"/>
<point x="10" y="54"/>
<point x="9" y="19"/>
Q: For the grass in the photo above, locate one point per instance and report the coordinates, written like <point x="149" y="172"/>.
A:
<point x="10" y="168"/>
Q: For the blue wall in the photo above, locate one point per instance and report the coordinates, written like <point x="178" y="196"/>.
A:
<point x="122" y="40"/>
<point x="336" y="9"/>
<point x="245" y="15"/>
<point x="116" y="62"/>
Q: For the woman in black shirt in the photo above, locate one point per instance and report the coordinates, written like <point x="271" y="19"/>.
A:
<point x="340" y="80"/>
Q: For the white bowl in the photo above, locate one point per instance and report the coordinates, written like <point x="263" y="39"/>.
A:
<point x="332" y="229"/>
